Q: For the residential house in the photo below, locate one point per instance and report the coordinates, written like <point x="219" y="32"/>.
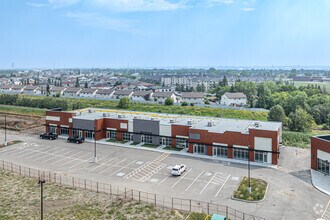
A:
<point x="123" y="93"/>
<point x="141" y="96"/>
<point x="104" y="93"/>
<point x="54" y="91"/>
<point x="193" y="97"/>
<point x="72" y="92"/>
<point x="233" y="99"/>
<point x="32" y="90"/>
<point x="6" y="88"/>
<point x="17" y="89"/>
<point x="160" y="97"/>
<point x="87" y="93"/>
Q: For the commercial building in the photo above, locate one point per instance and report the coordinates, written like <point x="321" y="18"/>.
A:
<point x="218" y="137"/>
<point x="320" y="153"/>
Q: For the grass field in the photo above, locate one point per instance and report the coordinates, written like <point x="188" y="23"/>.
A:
<point x="325" y="84"/>
<point x="22" y="110"/>
<point x="20" y="199"/>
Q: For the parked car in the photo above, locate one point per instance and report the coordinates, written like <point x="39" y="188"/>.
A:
<point x="75" y="139"/>
<point x="177" y="170"/>
<point x="50" y="136"/>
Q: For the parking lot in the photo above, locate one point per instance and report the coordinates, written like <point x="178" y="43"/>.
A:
<point x="205" y="180"/>
<point x="125" y="168"/>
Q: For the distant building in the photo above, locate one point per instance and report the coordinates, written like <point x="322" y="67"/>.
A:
<point x="141" y="96"/>
<point x="71" y="92"/>
<point x="105" y="93"/>
<point x="53" y="91"/>
<point x="87" y="93"/>
<point x="123" y="93"/>
<point x="32" y="90"/>
<point x="193" y="97"/>
<point x="160" y="97"/>
<point x="233" y="99"/>
<point x="6" y="88"/>
<point x="17" y="89"/>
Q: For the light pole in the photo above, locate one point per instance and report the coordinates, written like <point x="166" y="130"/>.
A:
<point x="41" y="183"/>
<point x="249" y="175"/>
<point x="95" y="157"/>
<point x="5" y="130"/>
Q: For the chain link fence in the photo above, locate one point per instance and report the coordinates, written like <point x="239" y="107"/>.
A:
<point x="126" y="194"/>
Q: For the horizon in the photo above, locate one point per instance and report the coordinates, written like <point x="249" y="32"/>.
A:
<point x="63" y="34"/>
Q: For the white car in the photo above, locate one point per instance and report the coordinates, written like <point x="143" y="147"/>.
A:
<point x="177" y="170"/>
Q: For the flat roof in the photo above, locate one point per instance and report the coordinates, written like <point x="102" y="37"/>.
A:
<point x="324" y="137"/>
<point x="211" y="124"/>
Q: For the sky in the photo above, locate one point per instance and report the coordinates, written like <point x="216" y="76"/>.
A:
<point x="163" y="33"/>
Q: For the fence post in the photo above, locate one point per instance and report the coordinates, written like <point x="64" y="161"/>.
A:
<point x="208" y="208"/>
<point x="110" y="190"/>
<point x="38" y="173"/>
<point x="190" y="205"/>
<point x="85" y="183"/>
<point x="139" y="196"/>
<point x="243" y="216"/>
<point x="29" y="172"/>
<point x="132" y="194"/>
<point x="227" y="212"/>
<point x="11" y="165"/>
<point x="97" y="187"/>
<point x="155" y="199"/>
<point x="172" y="203"/>
<point x="3" y="165"/>
<point x="72" y="182"/>
<point x="60" y="179"/>
<point x="20" y="173"/>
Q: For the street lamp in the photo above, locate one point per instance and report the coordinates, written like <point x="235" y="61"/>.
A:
<point x="41" y="183"/>
<point x="95" y="157"/>
<point x="249" y="175"/>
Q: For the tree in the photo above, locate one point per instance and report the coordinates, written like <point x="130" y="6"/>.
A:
<point x="184" y="104"/>
<point x="224" y="81"/>
<point x="300" y="120"/>
<point x="77" y="82"/>
<point x="47" y="90"/>
<point x="264" y="96"/>
<point x="86" y="85"/>
<point x="169" y="101"/>
<point x="276" y="113"/>
<point x="124" y="103"/>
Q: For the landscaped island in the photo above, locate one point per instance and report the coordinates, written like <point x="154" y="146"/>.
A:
<point x="258" y="190"/>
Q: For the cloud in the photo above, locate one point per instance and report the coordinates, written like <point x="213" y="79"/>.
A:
<point x="248" y="9"/>
<point x="211" y="3"/>
<point x="139" y="5"/>
<point x="97" y="20"/>
<point x="53" y="3"/>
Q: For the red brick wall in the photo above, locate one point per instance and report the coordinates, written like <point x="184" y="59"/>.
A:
<point x="64" y="120"/>
<point x="318" y="144"/>
<point x="115" y="123"/>
<point x="182" y="130"/>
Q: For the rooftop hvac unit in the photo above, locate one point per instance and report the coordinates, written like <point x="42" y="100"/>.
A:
<point x="171" y="121"/>
<point x="121" y="116"/>
<point x="209" y="123"/>
<point x="104" y="114"/>
<point x="257" y="124"/>
<point x="152" y="118"/>
<point x="189" y="122"/>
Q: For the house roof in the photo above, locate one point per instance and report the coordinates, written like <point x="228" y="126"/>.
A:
<point x="72" y="89"/>
<point x="56" y="89"/>
<point x="162" y="94"/>
<point x="31" y="87"/>
<point x="18" y="87"/>
<point x="235" y="95"/>
<point x="141" y="93"/>
<point x="87" y="90"/>
<point x="192" y="95"/>
<point x="123" y="92"/>
<point x="105" y="91"/>
<point x="6" y="86"/>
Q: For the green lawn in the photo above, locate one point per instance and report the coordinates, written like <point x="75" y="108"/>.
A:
<point x="325" y="84"/>
<point x="300" y="139"/>
<point x="22" y="110"/>
<point x="116" y="141"/>
<point x="172" y="148"/>
<point x="150" y="145"/>
<point x="258" y="189"/>
<point x="20" y="199"/>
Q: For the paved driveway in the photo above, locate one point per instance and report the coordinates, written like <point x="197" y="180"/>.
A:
<point x="290" y="195"/>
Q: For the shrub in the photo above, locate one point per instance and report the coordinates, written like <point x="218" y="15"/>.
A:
<point x="184" y="104"/>
<point x="169" y="101"/>
<point x="124" y="103"/>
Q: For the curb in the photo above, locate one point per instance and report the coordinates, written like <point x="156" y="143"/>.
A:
<point x="242" y="200"/>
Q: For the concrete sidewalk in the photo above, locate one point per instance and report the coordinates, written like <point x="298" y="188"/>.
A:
<point x="183" y="152"/>
<point x="321" y="181"/>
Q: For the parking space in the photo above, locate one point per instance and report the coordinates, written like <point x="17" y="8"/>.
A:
<point x="128" y="168"/>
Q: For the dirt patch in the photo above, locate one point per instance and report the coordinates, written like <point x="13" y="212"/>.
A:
<point x="24" y="123"/>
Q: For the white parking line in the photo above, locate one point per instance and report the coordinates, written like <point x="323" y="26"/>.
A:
<point x="164" y="179"/>
<point x="194" y="180"/>
<point x="113" y="165"/>
<point x="326" y="213"/>
<point x="77" y="164"/>
<point x="181" y="178"/>
<point x="102" y="164"/>
<point x="222" y="186"/>
<point x="208" y="183"/>
<point x="122" y="168"/>
<point x="38" y="158"/>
